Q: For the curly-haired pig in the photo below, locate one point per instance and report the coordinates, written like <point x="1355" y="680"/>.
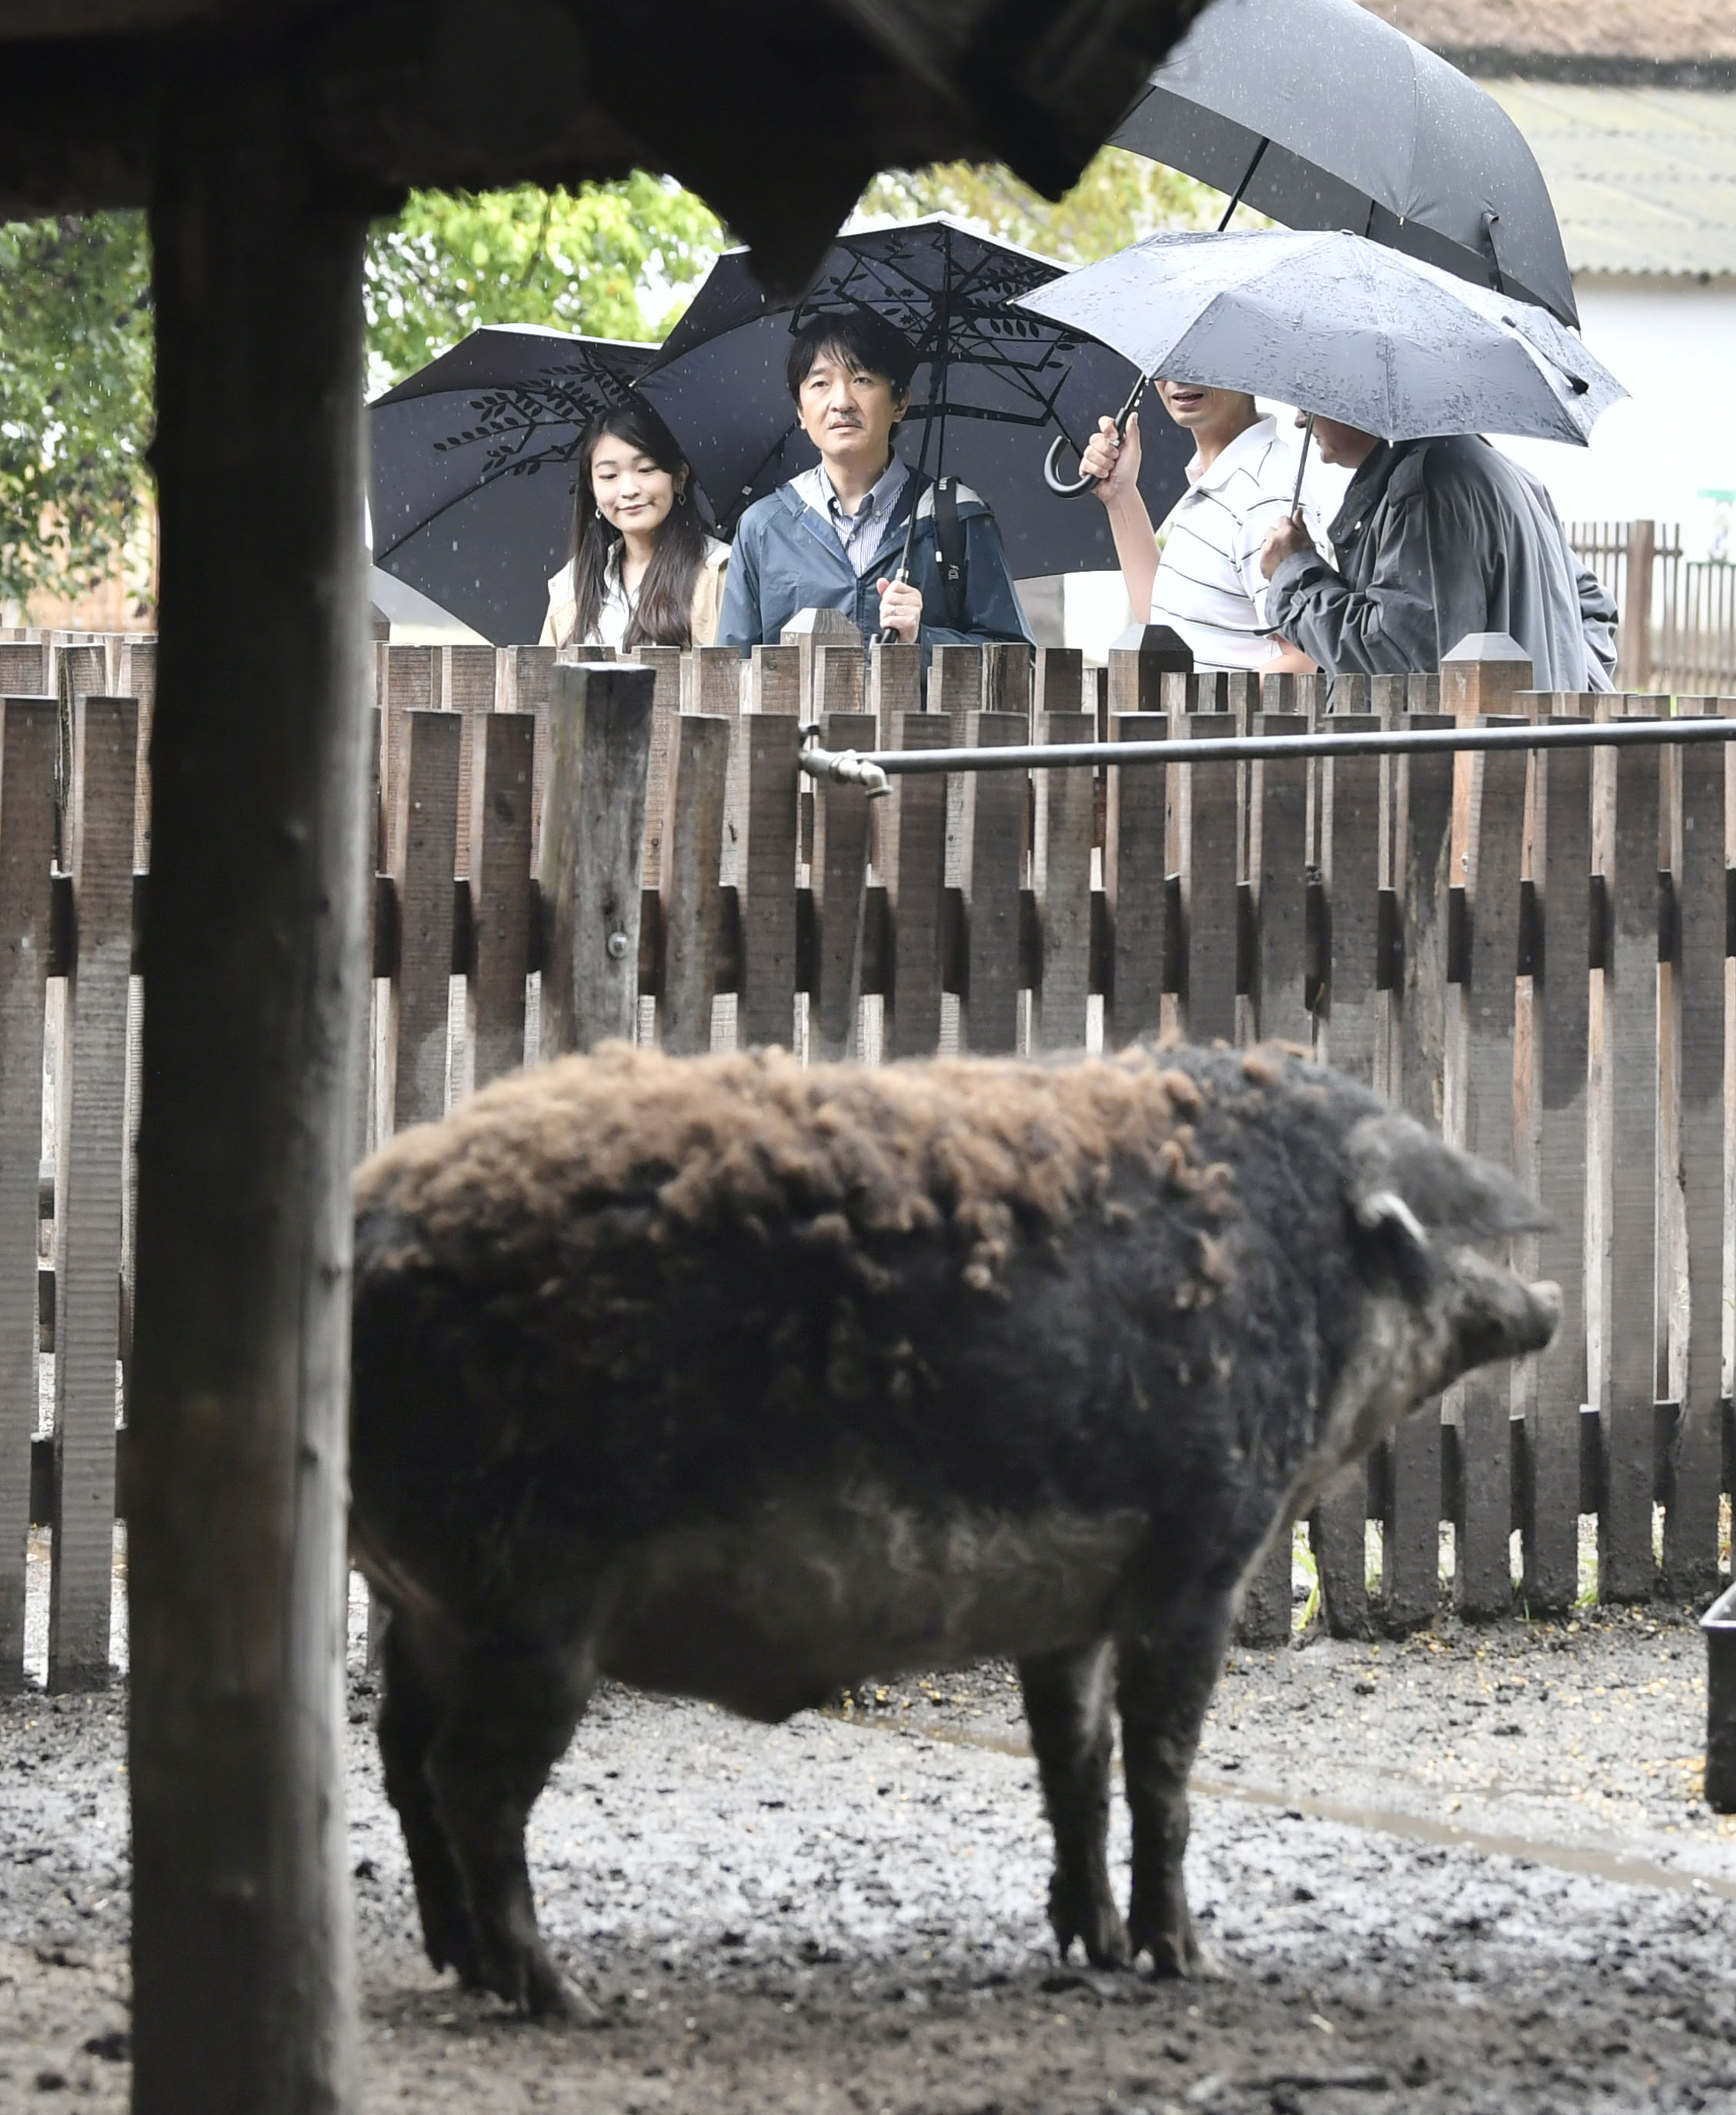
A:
<point x="737" y="1380"/>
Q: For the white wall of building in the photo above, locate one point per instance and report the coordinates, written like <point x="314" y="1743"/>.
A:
<point x="1672" y="342"/>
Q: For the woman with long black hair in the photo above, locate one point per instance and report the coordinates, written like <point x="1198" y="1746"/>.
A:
<point x="644" y="571"/>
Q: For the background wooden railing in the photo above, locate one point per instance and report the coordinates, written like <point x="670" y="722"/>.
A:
<point x="1677" y="614"/>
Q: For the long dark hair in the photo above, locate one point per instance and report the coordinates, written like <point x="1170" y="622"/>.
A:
<point x="663" y="616"/>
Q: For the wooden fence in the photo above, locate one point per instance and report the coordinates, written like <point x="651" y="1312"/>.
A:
<point x="1677" y="614"/>
<point x="1531" y="950"/>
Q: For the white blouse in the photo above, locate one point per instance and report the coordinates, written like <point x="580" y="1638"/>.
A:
<point x="619" y="603"/>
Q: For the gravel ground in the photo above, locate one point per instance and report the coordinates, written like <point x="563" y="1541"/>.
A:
<point x="1465" y="1872"/>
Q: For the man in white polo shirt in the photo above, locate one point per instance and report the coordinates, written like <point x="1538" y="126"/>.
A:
<point x="1200" y="573"/>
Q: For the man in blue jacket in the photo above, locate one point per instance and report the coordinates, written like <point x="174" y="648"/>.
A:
<point x="834" y="537"/>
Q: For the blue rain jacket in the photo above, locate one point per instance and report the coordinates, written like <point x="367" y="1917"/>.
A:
<point x="785" y="559"/>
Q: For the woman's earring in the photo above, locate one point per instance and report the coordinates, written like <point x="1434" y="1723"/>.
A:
<point x="597" y="511"/>
<point x="681" y="497"/>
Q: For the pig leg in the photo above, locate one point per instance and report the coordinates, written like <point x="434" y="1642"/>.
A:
<point x="411" y="1712"/>
<point x="1066" y="1705"/>
<point x="1164" y="1678"/>
<point x="512" y="1712"/>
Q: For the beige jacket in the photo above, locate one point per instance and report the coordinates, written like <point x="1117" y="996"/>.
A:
<point x="707" y="600"/>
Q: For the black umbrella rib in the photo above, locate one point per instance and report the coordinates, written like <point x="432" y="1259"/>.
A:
<point x="1247" y="177"/>
<point x="987" y="414"/>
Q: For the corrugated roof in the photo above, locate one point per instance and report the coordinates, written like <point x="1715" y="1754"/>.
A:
<point x="1643" y="179"/>
<point x="1654" y="31"/>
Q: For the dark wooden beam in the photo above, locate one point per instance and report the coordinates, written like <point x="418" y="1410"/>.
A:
<point x="242" y="1974"/>
<point x="750" y="95"/>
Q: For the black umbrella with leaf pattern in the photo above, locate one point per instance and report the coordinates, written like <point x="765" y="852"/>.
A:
<point x="990" y="396"/>
<point x="471" y="488"/>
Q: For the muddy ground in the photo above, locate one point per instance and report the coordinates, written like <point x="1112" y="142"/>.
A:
<point x="1467" y="1872"/>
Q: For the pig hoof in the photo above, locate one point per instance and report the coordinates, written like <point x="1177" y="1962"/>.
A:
<point x="1098" y="1928"/>
<point x="1178" y="1955"/>
<point x="1105" y="1947"/>
<point x="549" y="1996"/>
<point x="528" y="1981"/>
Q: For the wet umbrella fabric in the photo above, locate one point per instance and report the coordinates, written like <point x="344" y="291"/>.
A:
<point x="470" y="492"/>
<point x="1323" y="116"/>
<point x="1342" y="327"/>
<point x="992" y="388"/>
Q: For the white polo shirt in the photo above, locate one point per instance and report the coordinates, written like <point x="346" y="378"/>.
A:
<point x="1209" y="586"/>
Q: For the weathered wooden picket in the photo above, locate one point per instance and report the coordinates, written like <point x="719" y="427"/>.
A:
<point x="1530" y="950"/>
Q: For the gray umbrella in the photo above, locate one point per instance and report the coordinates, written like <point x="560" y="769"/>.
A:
<point x="1340" y="326"/>
<point x="1320" y="114"/>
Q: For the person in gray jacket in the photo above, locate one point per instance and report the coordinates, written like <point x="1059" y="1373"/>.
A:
<point x="834" y="537"/>
<point x="1437" y="539"/>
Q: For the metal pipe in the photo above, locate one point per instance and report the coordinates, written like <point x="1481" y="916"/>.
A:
<point x="847" y="764"/>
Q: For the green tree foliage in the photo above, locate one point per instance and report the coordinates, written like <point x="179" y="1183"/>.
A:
<point x="1119" y="198"/>
<point x="610" y="260"/>
<point x="76" y="360"/>
<point x="75" y="398"/>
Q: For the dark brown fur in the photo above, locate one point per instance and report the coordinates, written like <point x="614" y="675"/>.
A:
<point x="745" y="1380"/>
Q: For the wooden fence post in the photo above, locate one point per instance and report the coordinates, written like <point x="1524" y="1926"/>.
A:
<point x="593" y="864"/>
<point x="913" y="850"/>
<point x="693" y="902"/>
<point x="665" y="663"/>
<point x="1482" y="1028"/>
<point x="1627" y="1169"/>
<point x="894" y="686"/>
<point x="1277" y="876"/>
<point x="1060" y="863"/>
<point x="421" y="856"/>
<point x="956" y="680"/>
<point x="527" y="677"/>
<point x="1420" y="840"/>
<point x="1349" y="860"/>
<point x="1009" y="667"/>
<point x="1277" y="897"/>
<point x="1347" y="1024"/>
<point x="1135" y="880"/>
<point x="88" y="1185"/>
<point x="1633" y="650"/>
<point x="25" y="669"/>
<point x="1560" y="867"/>
<point x="27" y="744"/>
<point x="806" y="633"/>
<point x="1206" y="804"/>
<point x="1700" y="981"/>
<point x="503" y="767"/>
<point x="840" y="870"/>
<point x="468" y="683"/>
<point x="714" y="675"/>
<point x="766" y="859"/>
<point x="991" y="846"/>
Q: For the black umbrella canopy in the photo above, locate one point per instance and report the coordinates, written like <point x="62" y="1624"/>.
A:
<point x="993" y="386"/>
<point x="1322" y="115"/>
<point x="471" y="491"/>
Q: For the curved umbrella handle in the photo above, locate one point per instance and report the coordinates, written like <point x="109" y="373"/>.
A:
<point x="1071" y="488"/>
<point x="1062" y="488"/>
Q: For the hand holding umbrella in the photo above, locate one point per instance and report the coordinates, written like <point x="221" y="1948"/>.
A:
<point x="901" y="609"/>
<point x="1111" y="459"/>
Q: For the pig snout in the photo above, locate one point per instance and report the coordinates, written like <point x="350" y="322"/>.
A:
<point x="1496" y="1316"/>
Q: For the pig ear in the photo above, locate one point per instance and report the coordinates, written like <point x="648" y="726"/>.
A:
<point x="1397" y="1173"/>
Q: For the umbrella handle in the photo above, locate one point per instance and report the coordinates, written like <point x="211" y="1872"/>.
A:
<point x="1071" y="488"/>
<point x="1302" y="464"/>
<point x="1062" y="488"/>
